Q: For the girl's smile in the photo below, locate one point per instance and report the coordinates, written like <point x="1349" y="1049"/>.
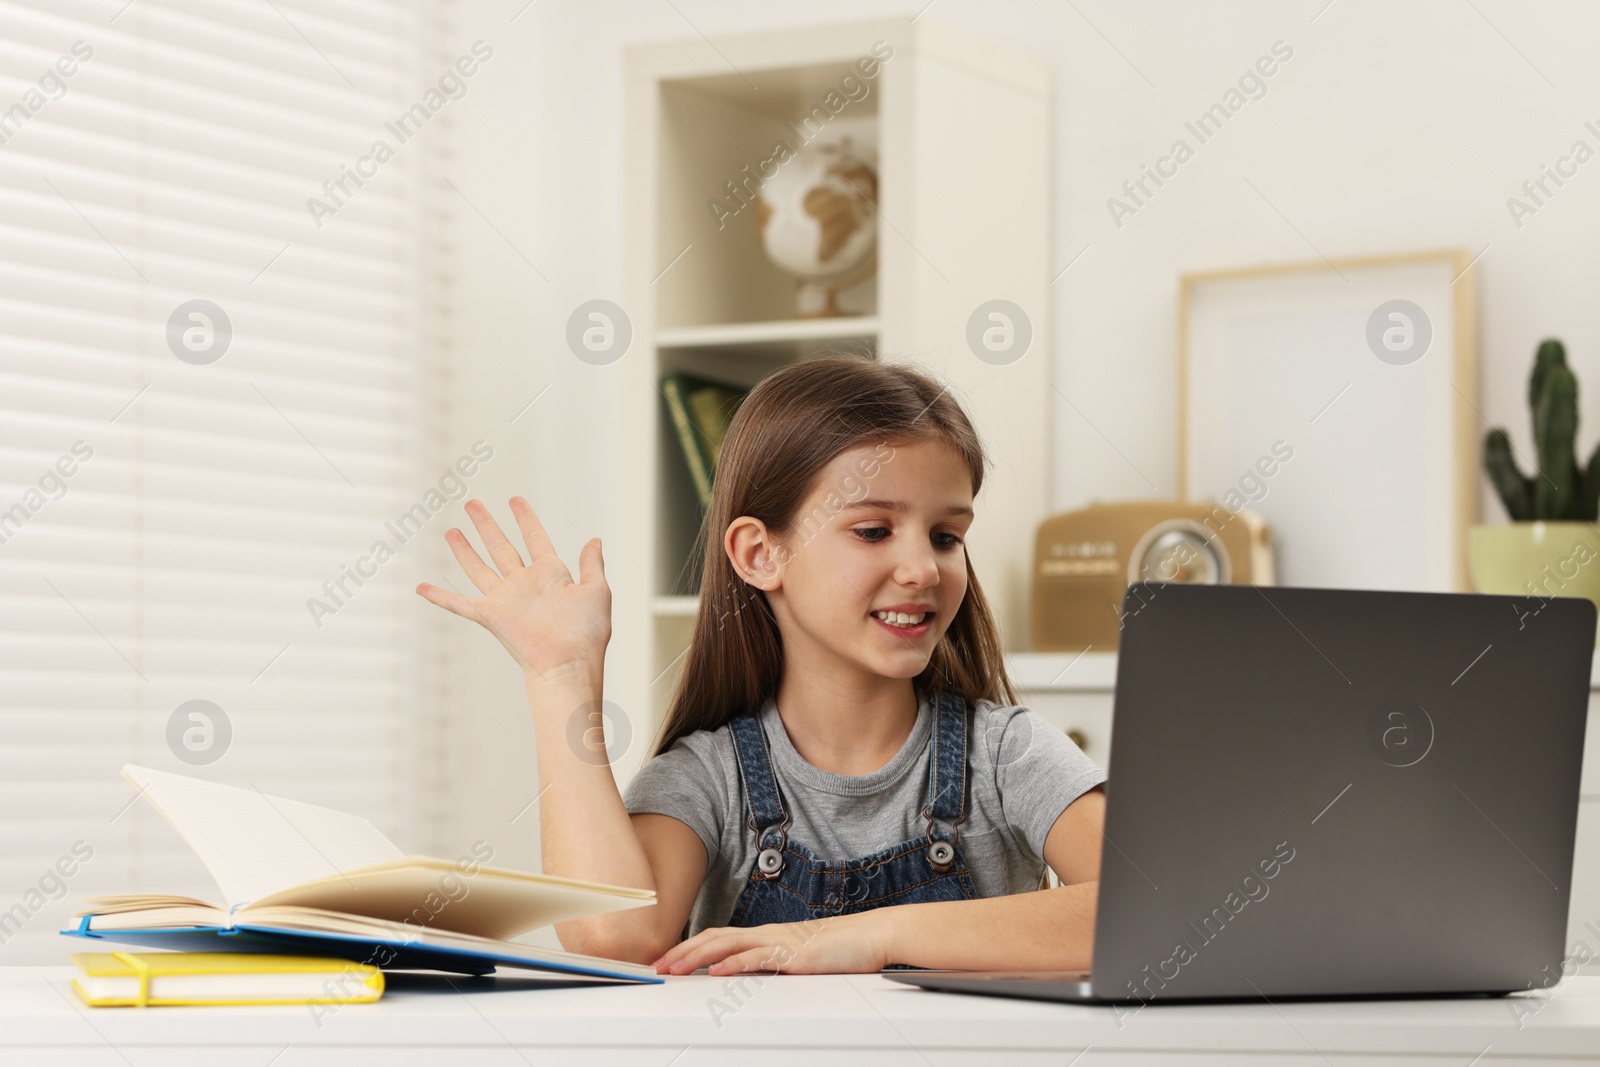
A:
<point x="905" y="620"/>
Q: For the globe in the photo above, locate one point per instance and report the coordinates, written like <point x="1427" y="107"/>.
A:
<point x="818" y="220"/>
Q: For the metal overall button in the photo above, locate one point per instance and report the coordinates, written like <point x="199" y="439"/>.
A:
<point x="942" y="853"/>
<point x="769" y="862"/>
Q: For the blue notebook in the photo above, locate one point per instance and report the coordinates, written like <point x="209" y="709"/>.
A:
<point x="299" y="879"/>
<point x="387" y="955"/>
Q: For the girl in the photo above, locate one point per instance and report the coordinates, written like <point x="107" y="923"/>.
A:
<point x="843" y="736"/>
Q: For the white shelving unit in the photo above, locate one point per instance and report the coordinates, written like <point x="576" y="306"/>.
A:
<point x="963" y="136"/>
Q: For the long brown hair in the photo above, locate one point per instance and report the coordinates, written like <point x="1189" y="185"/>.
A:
<point x="790" y="427"/>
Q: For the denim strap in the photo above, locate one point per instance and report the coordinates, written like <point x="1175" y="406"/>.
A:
<point x="760" y="784"/>
<point x="947" y="770"/>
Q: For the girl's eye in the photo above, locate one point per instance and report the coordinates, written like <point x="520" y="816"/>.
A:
<point x="954" y="539"/>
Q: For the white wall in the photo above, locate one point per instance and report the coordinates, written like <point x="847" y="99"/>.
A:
<point x="1393" y="128"/>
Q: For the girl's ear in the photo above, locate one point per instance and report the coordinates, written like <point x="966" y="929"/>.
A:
<point x="750" y="550"/>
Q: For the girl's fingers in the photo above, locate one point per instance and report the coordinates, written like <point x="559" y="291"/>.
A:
<point x="761" y="960"/>
<point x="482" y="575"/>
<point x="533" y="534"/>
<point x="709" y="951"/>
<point x="453" y="601"/>
<point x="591" y="565"/>
<point x="448" y="599"/>
<point x="689" y="944"/>
<point x="502" y="551"/>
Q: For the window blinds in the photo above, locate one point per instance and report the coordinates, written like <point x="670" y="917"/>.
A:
<point x="212" y="399"/>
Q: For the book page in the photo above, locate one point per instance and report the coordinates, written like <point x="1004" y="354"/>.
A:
<point x="254" y="844"/>
<point x="423" y="892"/>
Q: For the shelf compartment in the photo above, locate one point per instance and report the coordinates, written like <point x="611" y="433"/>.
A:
<point x="717" y="141"/>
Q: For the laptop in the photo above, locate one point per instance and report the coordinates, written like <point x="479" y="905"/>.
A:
<point x="1321" y="793"/>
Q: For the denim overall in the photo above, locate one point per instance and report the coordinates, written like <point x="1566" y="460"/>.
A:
<point x="790" y="883"/>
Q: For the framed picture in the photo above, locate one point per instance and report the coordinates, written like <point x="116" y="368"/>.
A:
<point x="1338" y="400"/>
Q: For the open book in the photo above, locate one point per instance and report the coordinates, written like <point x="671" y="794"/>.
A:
<point x="297" y="877"/>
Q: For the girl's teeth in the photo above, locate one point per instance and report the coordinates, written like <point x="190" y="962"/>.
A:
<point x="899" y="618"/>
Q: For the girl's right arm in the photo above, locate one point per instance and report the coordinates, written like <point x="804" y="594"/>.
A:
<point x="557" y="630"/>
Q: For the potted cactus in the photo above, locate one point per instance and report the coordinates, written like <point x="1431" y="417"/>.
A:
<point x="1549" y="547"/>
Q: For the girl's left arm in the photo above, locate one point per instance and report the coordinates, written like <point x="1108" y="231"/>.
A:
<point x="1051" y="929"/>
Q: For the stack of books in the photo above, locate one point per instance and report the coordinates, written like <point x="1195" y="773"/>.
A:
<point x="701" y="410"/>
<point x="297" y="879"/>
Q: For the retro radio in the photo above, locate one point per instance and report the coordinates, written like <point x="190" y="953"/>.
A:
<point x="1084" y="560"/>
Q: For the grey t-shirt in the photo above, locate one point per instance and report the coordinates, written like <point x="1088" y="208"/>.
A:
<point x="1022" y="772"/>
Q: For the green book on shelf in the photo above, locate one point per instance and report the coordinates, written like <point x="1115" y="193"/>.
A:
<point x="701" y="410"/>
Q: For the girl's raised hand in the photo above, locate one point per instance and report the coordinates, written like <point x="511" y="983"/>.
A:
<point x="551" y="625"/>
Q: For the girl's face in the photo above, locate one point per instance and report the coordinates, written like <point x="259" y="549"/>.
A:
<point x="881" y="534"/>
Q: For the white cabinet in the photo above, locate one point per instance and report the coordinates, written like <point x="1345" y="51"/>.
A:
<point x="1074" y="693"/>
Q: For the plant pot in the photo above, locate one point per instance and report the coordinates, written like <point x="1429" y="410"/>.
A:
<point x="1542" y="559"/>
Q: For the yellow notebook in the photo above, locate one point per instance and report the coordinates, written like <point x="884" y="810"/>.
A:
<point x="117" y="979"/>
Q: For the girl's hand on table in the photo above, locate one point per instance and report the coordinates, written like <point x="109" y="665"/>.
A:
<point x="839" y="944"/>
<point x="550" y="624"/>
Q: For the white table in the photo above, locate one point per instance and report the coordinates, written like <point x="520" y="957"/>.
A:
<point x="517" y="1020"/>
